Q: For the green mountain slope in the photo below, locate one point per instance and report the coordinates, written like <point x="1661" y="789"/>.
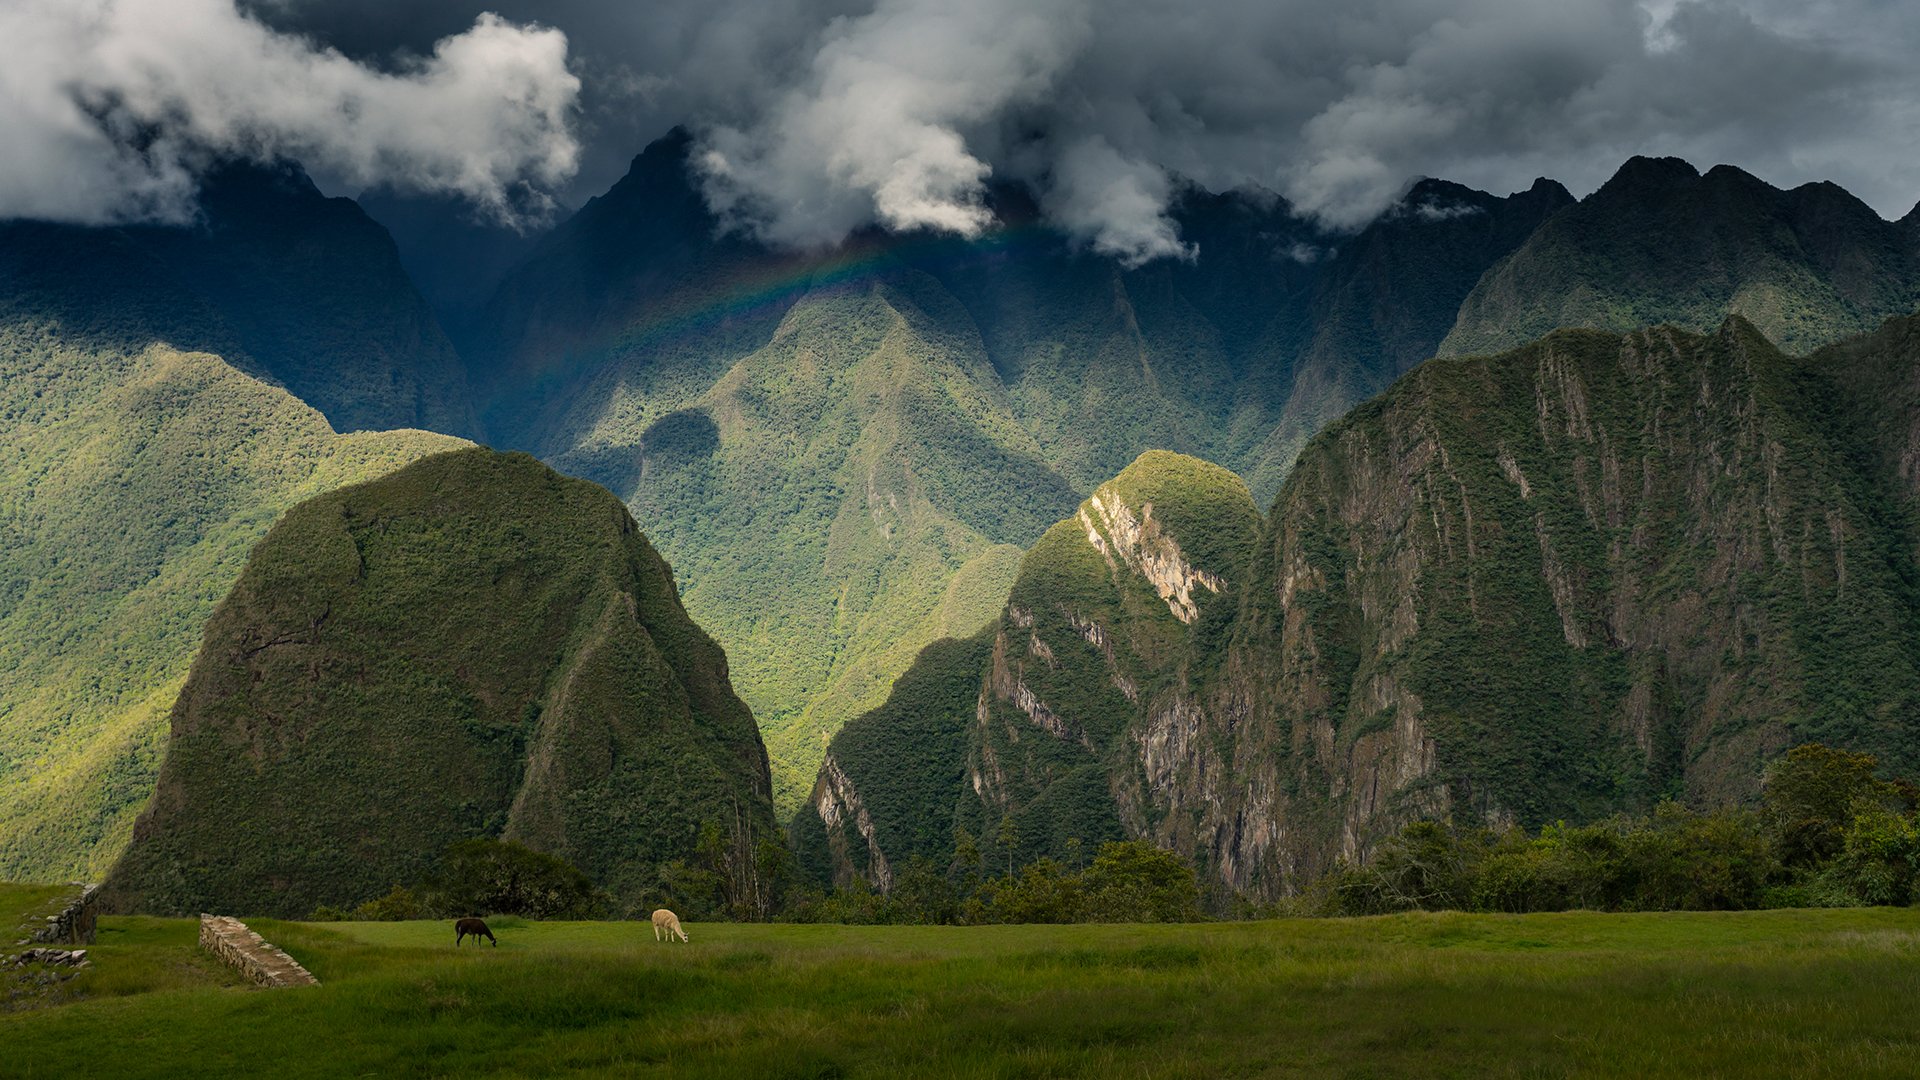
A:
<point x="131" y="486"/>
<point x="843" y="495"/>
<point x="909" y="755"/>
<point x="840" y="452"/>
<point x="1556" y="583"/>
<point x="470" y="646"/>
<point x="1661" y="243"/>
<point x="312" y="293"/>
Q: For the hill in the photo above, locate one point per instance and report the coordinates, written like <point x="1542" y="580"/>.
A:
<point x="470" y="646"/>
<point x="1662" y="243"/>
<point x="1558" y="583"/>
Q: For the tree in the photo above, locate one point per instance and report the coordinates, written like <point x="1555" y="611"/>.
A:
<point x="1879" y="857"/>
<point x="1009" y="838"/>
<point x="1134" y="881"/>
<point x="503" y="877"/>
<point x="1043" y="893"/>
<point x="1811" y="796"/>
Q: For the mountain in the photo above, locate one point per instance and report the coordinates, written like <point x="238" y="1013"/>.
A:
<point x="893" y="777"/>
<point x="1387" y="298"/>
<point x="842" y="452"/>
<point x="290" y="286"/>
<point x="471" y="646"/>
<point x="134" y="483"/>
<point x="135" y="473"/>
<point x="1556" y="583"/>
<point x="1661" y="243"/>
<point x="454" y="257"/>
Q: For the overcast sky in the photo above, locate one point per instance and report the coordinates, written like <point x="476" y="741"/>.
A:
<point x="814" y="117"/>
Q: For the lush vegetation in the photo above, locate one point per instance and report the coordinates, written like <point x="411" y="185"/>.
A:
<point x="486" y="877"/>
<point x="136" y="470"/>
<point x="472" y="646"/>
<point x="1127" y="881"/>
<point x="906" y="761"/>
<point x="1813" y="993"/>
<point x="1830" y="834"/>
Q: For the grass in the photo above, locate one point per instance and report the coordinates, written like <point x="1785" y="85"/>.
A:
<point x="1784" y="992"/>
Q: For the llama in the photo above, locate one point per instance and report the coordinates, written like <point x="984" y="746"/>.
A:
<point x="475" y="927"/>
<point x="666" y="924"/>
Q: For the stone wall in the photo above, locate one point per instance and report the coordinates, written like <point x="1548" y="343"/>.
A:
<point x="250" y="954"/>
<point x="73" y="924"/>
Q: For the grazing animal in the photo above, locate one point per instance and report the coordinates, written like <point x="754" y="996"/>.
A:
<point x="477" y="928"/>
<point x="667" y="924"/>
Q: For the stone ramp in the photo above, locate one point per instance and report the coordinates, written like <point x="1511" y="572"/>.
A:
<point x="253" y="956"/>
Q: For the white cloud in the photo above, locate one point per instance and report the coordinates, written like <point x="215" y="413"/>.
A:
<point x="876" y="127"/>
<point x="902" y="114"/>
<point x="114" y="105"/>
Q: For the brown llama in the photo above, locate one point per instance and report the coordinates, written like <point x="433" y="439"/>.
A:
<point x="475" y="927"/>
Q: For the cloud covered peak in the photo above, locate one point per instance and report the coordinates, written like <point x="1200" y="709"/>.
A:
<point x="900" y="112"/>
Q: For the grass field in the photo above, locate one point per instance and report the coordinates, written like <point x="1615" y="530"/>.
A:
<point x="1808" y="993"/>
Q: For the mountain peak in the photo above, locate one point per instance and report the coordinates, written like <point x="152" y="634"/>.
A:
<point x="1649" y="176"/>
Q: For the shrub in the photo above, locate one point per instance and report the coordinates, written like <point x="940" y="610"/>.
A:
<point x="399" y="905"/>
<point x="1043" y="892"/>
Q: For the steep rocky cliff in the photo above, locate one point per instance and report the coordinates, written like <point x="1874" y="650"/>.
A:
<point x="472" y="646"/>
<point x="1560" y="582"/>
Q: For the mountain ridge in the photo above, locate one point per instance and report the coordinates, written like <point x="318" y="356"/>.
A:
<point x="1559" y="582"/>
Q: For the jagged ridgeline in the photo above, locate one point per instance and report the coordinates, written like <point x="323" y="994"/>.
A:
<point x="1560" y="582"/>
<point x="1662" y="243"/>
<point x="471" y="646"/>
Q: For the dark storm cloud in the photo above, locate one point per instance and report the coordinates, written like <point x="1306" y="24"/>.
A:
<point x="815" y="118"/>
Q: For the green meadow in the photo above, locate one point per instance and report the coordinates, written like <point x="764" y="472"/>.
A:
<point x="1806" y="993"/>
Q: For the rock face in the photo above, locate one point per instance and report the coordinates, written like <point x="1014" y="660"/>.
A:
<point x="472" y="646"/>
<point x="1561" y="582"/>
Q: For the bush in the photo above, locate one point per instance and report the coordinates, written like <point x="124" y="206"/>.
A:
<point x="1428" y="866"/>
<point x="399" y="905"/>
<point x="1043" y="892"/>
